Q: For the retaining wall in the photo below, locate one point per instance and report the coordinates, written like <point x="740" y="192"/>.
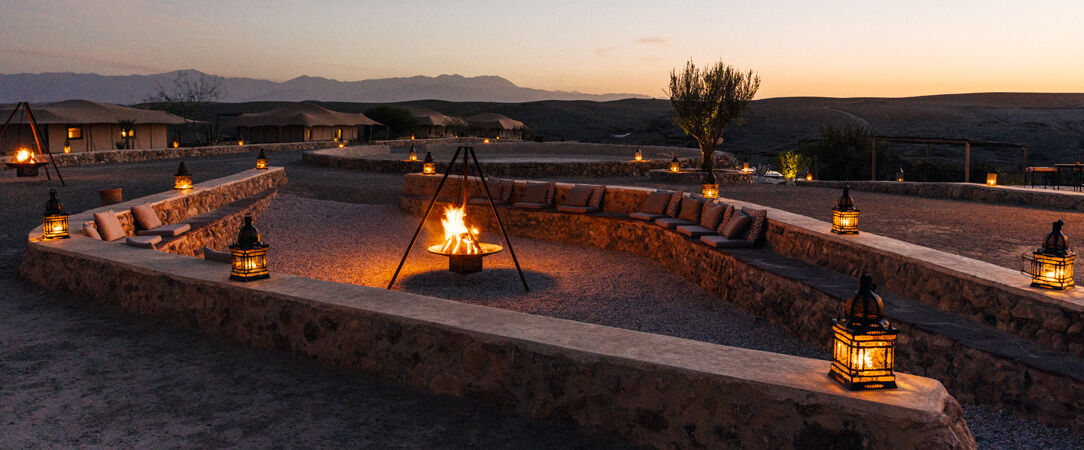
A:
<point x="120" y="156"/>
<point x="1064" y="198"/>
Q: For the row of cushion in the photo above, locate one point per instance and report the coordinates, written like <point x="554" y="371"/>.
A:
<point x="540" y="195"/>
<point x="715" y="223"/>
<point x="149" y="228"/>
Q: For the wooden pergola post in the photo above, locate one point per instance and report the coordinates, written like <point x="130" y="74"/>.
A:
<point x="967" y="162"/>
<point x="873" y="162"/>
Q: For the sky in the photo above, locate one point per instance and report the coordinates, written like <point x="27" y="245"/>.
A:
<point x="799" y="48"/>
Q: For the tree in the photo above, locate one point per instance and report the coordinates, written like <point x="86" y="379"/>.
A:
<point x="706" y="100"/>
<point x="400" y="121"/>
<point x="189" y="97"/>
<point x="790" y="163"/>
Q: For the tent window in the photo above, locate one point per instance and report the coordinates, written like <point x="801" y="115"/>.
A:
<point x="75" y="132"/>
<point x="339" y="133"/>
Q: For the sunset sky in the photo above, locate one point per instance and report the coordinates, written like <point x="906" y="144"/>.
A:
<point x="800" y="48"/>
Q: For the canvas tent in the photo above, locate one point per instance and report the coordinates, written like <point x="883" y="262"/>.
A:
<point x="432" y="124"/>
<point x="300" y="122"/>
<point x="495" y="125"/>
<point x="86" y="126"/>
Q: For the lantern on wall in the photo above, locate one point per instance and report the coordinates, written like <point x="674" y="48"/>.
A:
<point x="845" y="214"/>
<point x="261" y="160"/>
<point x="182" y="179"/>
<point x="863" y="342"/>
<point x="745" y="167"/>
<point x="639" y="156"/>
<point x="1051" y="266"/>
<point x="675" y="165"/>
<point x="176" y="144"/>
<point x="428" y="166"/>
<point x="485" y="141"/>
<point x="710" y="186"/>
<point x="240" y="142"/>
<point x="248" y="255"/>
<point x="899" y="174"/>
<point x="991" y="179"/>
<point x="54" y="223"/>
<point x="342" y="144"/>
<point x="809" y="176"/>
<point x="413" y="156"/>
<point x="67" y="146"/>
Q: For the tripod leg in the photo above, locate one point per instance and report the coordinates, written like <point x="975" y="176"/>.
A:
<point x="485" y="186"/>
<point x="422" y="222"/>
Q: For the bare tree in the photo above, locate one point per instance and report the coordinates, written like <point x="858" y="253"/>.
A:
<point x="188" y="97"/>
<point x="706" y="100"/>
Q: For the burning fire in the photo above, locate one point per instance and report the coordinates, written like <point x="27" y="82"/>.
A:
<point x="24" y="156"/>
<point x="458" y="238"/>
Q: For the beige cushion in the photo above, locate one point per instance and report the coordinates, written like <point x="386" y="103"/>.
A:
<point x="176" y="229"/>
<point x="108" y="226"/>
<point x="143" y="241"/>
<point x="211" y="254"/>
<point x="596" y="197"/>
<point x="645" y="216"/>
<point x="713" y="215"/>
<point x="737" y="226"/>
<point x="656" y="203"/>
<point x="695" y="230"/>
<point x="535" y="193"/>
<point x="507" y="186"/>
<point x="578" y="196"/>
<point x="670" y="222"/>
<point x="91" y="232"/>
<point x="690" y="209"/>
<point x="145" y="217"/>
<point x="723" y="242"/>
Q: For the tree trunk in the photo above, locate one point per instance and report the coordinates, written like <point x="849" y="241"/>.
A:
<point x="707" y="158"/>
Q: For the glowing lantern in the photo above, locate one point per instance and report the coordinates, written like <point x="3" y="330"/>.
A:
<point x="675" y="166"/>
<point x="991" y="179"/>
<point x="429" y="167"/>
<point x="342" y="144"/>
<point x="413" y="156"/>
<point x="182" y="179"/>
<point x="1051" y="266"/>
<point x="863" y="342"/>
<point x="845" y="215"/>
<point x="485" y="141"/>
<point x="412" y="137"/>
<point x="710" y="186"/>
<point x="899" y="174"/>
<point x="176" y="144"/>
<point x="638" y="156"/>
<point x="124" y="134"/>
<point x="249" y="255"/>
<point x="240" y="142"/>
<point x="498" y="138"/>
<point x="261" y="160"/>
<point x="745" y="168"/>
<point x="67" y="146"/>
<point x="809" y="176"/>
<point x="54" y="223"/>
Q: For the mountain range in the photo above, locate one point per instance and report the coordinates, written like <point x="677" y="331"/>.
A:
<point x="131" y="89"/>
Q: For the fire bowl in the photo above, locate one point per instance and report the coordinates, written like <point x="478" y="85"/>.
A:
<point x="27" y="169"/>
<point x="464" y="263"/>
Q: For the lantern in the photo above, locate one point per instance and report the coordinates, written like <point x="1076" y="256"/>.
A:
<point x="1051" y="266"/>
<point x="54" y="223"/>
<point x="182" y="180"/>
<point x="261" y="160"/>
<point x="240" y="142"/>
<point x="675" y="165"/>
<point x="67" y="146"/>
<point x="176" y="144"/>
<point x="745" y="168"/>
<point x="412" y="137"/>
<point x="639" y="156"/>
<point x="809" y="176"/>
<point x="899" y="174"/>
<point x="124" y="134"/>
<point x="991" y="179"/>
<point x="248" y="255"/>
<point x="342" y="144"/>
<point x="710" y="186"/>
<point x="485" y="141"/>
<point x="863" y="342"/>
<point x="429" y="167"/>
<point x="845" y="215"/>
<point x="413" y="154"/>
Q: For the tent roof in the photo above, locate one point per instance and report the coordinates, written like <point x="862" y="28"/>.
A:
<point x="433" y="118"/>
<point x="83" y="111"/>
<point x="494" y="120"/>
<point x="304" y="114"/>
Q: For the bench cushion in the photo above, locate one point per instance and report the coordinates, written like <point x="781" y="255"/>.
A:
<point x="91" y="232"/>
<point x="143" y="241"/>
<point x="722" y="242"/>
<point x="535" y="193"/>
<point x="176" y="229"/>
<point x="596" y="197"/>
<point x="577" y="209"/>
<point x="759" y="217"/>
<point x="674" y="205"/>
<point x="690" y="209"/>
<point x="695" y="230"/>
<point x="531" y="205"/>
<point x="108" y="226"/>
<point x="713" y="215"/>
<point x="670" y="222"/>
<point x="211" y="254"/>
<point x="145" y="217"/>
<point x="578" y="196"/>
<point x="737" y="227"/>
<point x="647" y="217"/>
<point x="656" y="203"/>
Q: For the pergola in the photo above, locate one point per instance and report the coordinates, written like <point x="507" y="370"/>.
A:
<point x="967" y="143"/>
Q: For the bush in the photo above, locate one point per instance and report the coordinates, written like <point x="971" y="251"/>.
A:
<point x="790" y="163"/>
<point x="401" y="122"/>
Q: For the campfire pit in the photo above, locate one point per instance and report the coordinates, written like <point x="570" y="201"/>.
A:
<point x="461" y="244"/>
<point x="26" y="165"/>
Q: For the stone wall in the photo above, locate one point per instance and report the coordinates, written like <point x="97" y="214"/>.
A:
<point x="120" y="156"/>
<point x="517" y="169"/>
<point x="218" y="229"/>
<point x="1065" y="198"/>
<point x="969" y="369"/>
<point x="688" y="176"/>
<point x="407" y="142"/>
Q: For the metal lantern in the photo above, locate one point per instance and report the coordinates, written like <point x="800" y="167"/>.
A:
<point x="845" y="214"/>
<point x="67" y="146"/>
<point x="54" y="223"/>
<point x="991" y="179"/>
<point x="429" y="167"/>
<point x="342" y="144"/>
<point x="240" y="142"/>
<point x="413" y="156"/>
<point x="182" y="179"/>
<point x="710" y="186"/>
<point x="675" y="166"/>
<point x="899" y="174"/>
<point x="485" y="141"/>
<point x="639" y="156"/>
<point x="863" y="342"/>
<point x="176" y="144"/>
<point x="1051" y="266"/>
<point x="249" y="255"/>
<point x="745" y="167"/>
<point x="809" y="176"/>
<point x="261" y="160"/>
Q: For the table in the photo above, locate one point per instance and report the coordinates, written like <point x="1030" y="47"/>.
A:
<point x="1077" y="169"/>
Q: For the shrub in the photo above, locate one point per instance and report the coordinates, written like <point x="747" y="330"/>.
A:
<point x="400" y="121"/>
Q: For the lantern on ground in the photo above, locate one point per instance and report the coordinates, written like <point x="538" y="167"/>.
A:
<point x="176" y="144"/>
<point x="182" y="179"/>
<point x="261" y="160"/>
<point x="863" y="342"/>
<point x="745" y="168"/>
<point x="710" y="186"/>
<point x="639" y="156"/>
<point x="248" y="255"/>
<point x="809" y="176"/>
<point x="1051" y="266"/>
<point x="240" y="142"/>
<point x="428" y="166"/>
<point x="54" y="223"/>
<point x="991" y="179"/>
<point x="342" y="144"/>
<point x="485" y="141"/>
<point x="845" y="214"/>
<point x="899" y="174"/>
<point x="413" y="156"/>
<point x="675" y="166"/>
<point x="67" y="146"/>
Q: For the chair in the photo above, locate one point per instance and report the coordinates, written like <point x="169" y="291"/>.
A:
<point x="1048" y="174"/>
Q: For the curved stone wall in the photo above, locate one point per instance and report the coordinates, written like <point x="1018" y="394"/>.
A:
<point x="120" y="156"/>
<point x="1065" y="198"/>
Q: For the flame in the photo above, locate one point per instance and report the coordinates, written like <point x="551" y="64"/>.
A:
<point x="24" y="156"/>
<point x="458" y="238"/>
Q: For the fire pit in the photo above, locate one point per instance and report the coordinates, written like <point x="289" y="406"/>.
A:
<point x="461" y="244"/>
<point x="26" y="165"/>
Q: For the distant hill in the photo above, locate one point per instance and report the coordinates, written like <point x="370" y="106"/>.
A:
<point x="129" y="89"/>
